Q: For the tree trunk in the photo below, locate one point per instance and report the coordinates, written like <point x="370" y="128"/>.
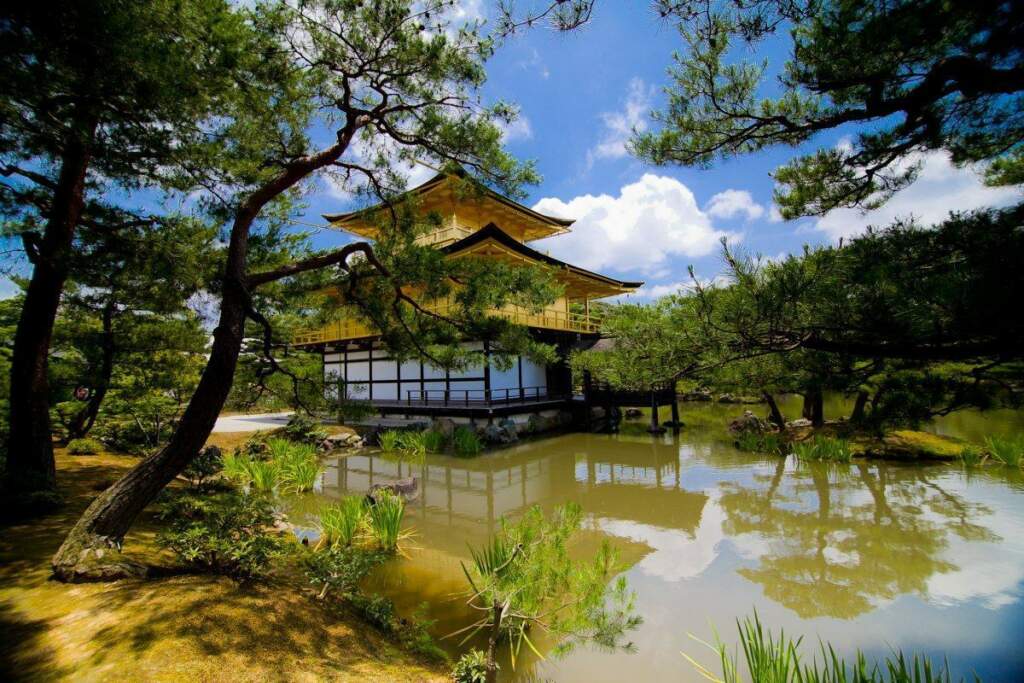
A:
<point x="859" y="407"/>
<point x="814" y="407"/>
<point x="774" y="414"/>
<point x="84" y="554"/>
<point x="492" y="643"/>
<point x="85" y="418"/>
<point x="30" y="465"/>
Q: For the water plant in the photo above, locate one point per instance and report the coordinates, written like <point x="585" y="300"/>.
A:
<point x="777" y="659"/>
<point x="1006" y="450"/>
<point x="412" y="443"/>
<point x="389" y="440"/>
<point x="385" y="519"/>
<point x="752" y="441"/>
<point x="340" y="524"/>
<point x="823" y="448"/>
<point x="434" y="441"/>
<point x="236" y="466"/>
<point x="466" y="442"/>
<point x="300" y="474"/>
<point x="263" y="475"/>
<point x="972" y="455"/>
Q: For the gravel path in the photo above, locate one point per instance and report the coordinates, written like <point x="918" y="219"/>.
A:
<point x="251" y="423"/>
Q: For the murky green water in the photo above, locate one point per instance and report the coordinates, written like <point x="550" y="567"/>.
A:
<point x="921" y="557"/>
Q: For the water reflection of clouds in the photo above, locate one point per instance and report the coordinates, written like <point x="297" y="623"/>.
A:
<point x="676" y="555"/>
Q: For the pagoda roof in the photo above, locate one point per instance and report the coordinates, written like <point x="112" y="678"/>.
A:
<point x="439" y="191"/>
<point x="493" y="241"/>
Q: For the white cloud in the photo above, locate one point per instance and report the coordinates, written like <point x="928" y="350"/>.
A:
<point x="519" y="129"/>
<point x="940" y="188"/>
<point x="730" y="203"/>
<point x="619" y="125"/>
<point x="658" y="291"/>
<point x="535" y="62"/>
<point x="774" y="215"/>
<point x="649" y="221"/>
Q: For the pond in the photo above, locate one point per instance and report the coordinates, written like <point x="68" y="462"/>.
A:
<point x="880" y="555"/>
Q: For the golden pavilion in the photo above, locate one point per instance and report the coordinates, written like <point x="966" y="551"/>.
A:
<point x="488" y="225"/>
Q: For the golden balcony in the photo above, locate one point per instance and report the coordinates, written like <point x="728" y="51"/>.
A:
<point x="548" y="319"/>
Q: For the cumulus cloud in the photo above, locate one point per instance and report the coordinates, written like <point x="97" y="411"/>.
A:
<point x="619" y="125"/>
<point x="940" y="188"/>
<point x="731" y="203"/>
<point x="649" y="221"/>
<point x="535" y="62"/>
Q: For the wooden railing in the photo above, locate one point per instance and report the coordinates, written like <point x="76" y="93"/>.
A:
<point x="551" y="319"/>
<point x="444" y="236"/>
<point x="467" y="397"/>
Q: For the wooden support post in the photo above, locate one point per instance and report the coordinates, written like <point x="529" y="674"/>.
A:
<point x="655" y="427"/>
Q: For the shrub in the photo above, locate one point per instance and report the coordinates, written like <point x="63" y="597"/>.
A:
<point x="972" y="455"/>
<point x="390" y="440"/>
<point x="385" y="519"/>
<point x="471" y="668"/>
<point x="1009" y="451"/>
<point x="84" y="446"/>
<point x="205" y="465"/>
<point x="304" y="429"/>
<point x="434" y="441"/>
<point x="466" y="442"/>
<point x="224" y="533"/>
<point x="340" y="524"/>
<point x="339" y="569"/>
<point x="375" y="609"/>
<point x="414" y="633"/>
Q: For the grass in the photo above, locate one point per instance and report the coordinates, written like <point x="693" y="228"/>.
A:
<point x="972" y="456"/>
<point x="761" y="443"/>
<point x="823" y="448"/>
<point x="434" y="441"/>
<point x="263" y="475"/>
<point x="778" y="659"/>
<point x="181" y="628"/>
<point x="466" y="442"/>
<point x="1008" y="451"/>
<point x="340" y="524"/>
<point x="385" y="520"/>
<point x="84" y="446"/>
<point x="412" y="443"/>
<point x="300" y="466"/>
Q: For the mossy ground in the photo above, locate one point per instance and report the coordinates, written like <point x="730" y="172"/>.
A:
<point x="195" y="628"/>
<point x="901" y="444"/>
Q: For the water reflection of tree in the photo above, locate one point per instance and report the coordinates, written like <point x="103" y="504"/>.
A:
<point x="837" y="540"/>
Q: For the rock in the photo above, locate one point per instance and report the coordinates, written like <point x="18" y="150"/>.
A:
<point x="748" y="422"/>
<point x="727" y="398"/>
<point x="799" y="423"/>
<point x="443" y="425"/>
<point x="701" y="395"/>
<point x="409" y="489"/>
<point x="500" y="434"/>
<point x="633" y="413"/>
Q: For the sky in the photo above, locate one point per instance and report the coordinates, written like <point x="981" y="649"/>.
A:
<point x="581" y="94"/>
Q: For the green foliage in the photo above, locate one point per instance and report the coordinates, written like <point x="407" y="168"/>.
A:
<point x="414" y="634"/>
<point x="822" y="448"/>
<point x="376" y="610"/>
<point x="384" y="518"/>
<point x="1009" y="451"/>
<point x="339" y="569"/>
<point x="207" y="464"/>
<point x="524" y="578"/>
<point x="777" y="659"/>
<point x="972" y="455"/>
<point x="434" y="441"/>
<point x="223" y="533"/>
<point x="341" y="523"/>
<point x="300" y="472"/>
<point x="263" y="475"/>
<point x="390" y="440"/>
<point x="466" y="442"/>
<point x="471" y="668"/>
<point x="856" y="63"/>
<point x="236" y="466"/>
<point x="304" y="429"/>
<point x="85" y="446"/>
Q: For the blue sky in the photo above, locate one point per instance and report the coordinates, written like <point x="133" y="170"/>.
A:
<point x="580" y="96"/>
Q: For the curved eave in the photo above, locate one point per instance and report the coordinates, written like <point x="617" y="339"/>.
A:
<point x="492" y="233"/>
<point x="360" y="221"/>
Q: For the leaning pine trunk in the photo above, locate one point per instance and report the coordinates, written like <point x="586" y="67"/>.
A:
<point x="774" y="414"/>
<point x="859" y="407"/>
<point x="814" y="407"/>
<point x="30" y="464"/>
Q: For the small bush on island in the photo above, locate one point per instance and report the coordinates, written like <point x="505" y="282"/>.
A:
<point x="339" y="569"/>
<point x="224" y="533"/>
<point x="777" y="659"/>
<point x="209" y="463"/>
<point x="471" y="668"/>
<point x="304" y="429"/>
<point x="84" y="446"/>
